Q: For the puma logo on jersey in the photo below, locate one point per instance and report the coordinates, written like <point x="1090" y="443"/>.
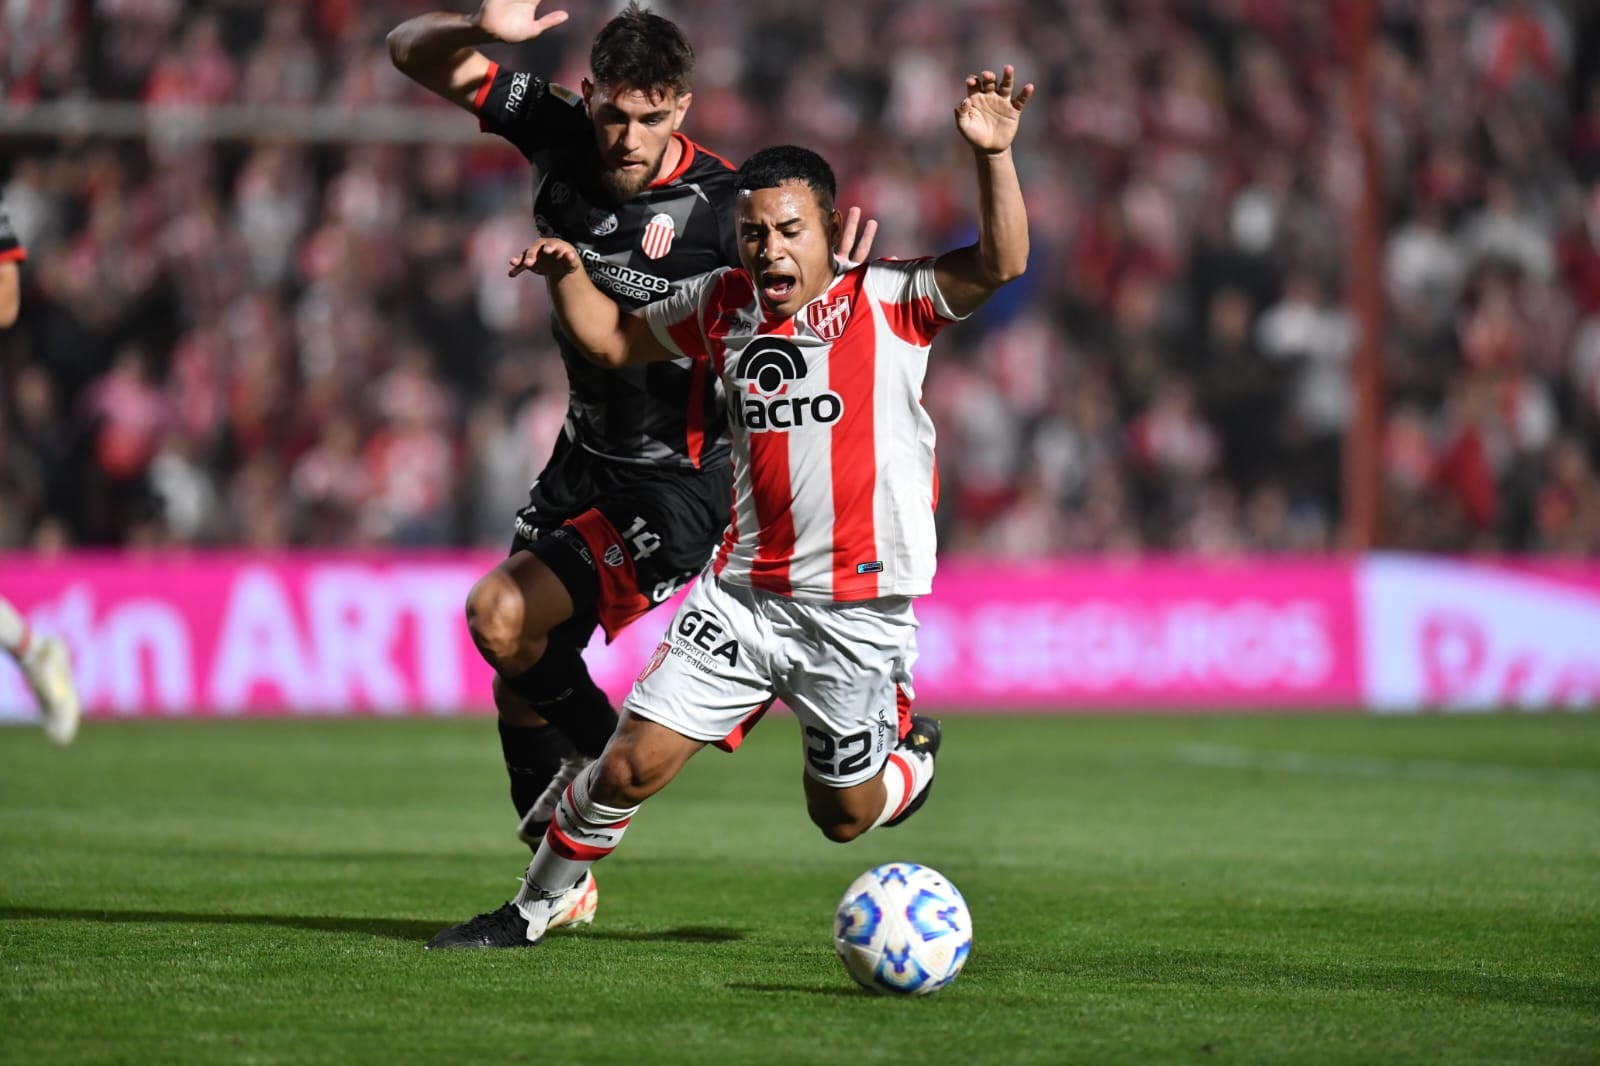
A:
<point x="766" y="369"/>
<point x="515" y="93"/>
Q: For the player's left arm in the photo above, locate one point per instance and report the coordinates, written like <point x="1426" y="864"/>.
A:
<point x="988" y="119"/>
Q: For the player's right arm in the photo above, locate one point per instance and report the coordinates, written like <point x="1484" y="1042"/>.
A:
<point x="10" y="292"/>
<point x="439" y="50"/>
<point x="606" y="334"/>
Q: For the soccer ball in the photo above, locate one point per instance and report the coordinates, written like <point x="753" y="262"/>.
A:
<point x="902" y="930"/>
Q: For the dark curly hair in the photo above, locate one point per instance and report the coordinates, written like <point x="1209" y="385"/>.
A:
<point x="643" y="51"/>
<point x="771" y="167"/>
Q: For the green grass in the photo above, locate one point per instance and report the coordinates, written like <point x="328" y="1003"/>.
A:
<point x="1237" y="890"/>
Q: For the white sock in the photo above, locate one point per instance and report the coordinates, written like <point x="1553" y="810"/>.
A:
<point x="905" y="774"/>
<point x="582" y="833"/>
<point x="15" y="636"/>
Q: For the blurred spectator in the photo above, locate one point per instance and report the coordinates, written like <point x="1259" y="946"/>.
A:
<point x="268" y="342"/>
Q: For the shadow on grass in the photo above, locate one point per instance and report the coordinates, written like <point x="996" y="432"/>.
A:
<point x="1249" y="971"/>
<point x="418" y="930"/>
<point x="804" y="990"/>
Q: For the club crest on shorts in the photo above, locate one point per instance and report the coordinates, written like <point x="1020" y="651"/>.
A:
<point x="613" y="555"/>
<point x="658" y="234"/>
<point x="828" y="317"/>
<point x="660" y="656"/>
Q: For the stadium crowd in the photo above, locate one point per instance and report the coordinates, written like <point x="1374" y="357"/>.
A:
<point x="275" y="343"/>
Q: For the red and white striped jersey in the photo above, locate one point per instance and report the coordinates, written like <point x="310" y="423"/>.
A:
<point x="834" y="480"/>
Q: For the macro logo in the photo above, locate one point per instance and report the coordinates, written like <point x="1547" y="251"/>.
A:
<point x="767" y="368"/>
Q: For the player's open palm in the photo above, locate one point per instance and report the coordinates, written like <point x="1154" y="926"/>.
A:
<point x="550" y="256"/>
<point x="515" y="21"/>
<point x="988" y="116"/>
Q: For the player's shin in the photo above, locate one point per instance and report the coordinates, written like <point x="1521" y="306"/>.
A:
<point x="533" y="755"/>
<point x="559" y="687"/>
<point x="582" y="832"/>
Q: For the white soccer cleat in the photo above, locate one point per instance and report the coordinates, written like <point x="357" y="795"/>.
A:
<point x="575" y="906"/>
<point x="48" y="669"/>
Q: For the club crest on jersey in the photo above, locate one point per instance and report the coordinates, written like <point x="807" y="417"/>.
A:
<point x="827" y="317"/>
<point x="764" y="373"/>
<point x="662" y="651"/>
<point x="658" y="234"/>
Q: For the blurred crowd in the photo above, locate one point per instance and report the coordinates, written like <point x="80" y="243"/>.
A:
<point x="275" y="343"/>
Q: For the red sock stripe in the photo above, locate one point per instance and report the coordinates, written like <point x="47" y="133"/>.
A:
<point x="905" y="776"/>
<point x="568" y="848"/>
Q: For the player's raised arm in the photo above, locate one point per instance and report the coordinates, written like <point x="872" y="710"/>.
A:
<point x="607" y="335"/>
<point x="439" y="50"/>
<point x="988" y="119"/>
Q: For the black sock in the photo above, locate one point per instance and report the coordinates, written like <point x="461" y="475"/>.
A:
<point x="533" y="755"/>
<point x="560" y="689"/>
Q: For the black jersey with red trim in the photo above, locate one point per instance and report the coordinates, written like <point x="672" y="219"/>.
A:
<point x="662" y="414"/>
<point x="11" y="249"/>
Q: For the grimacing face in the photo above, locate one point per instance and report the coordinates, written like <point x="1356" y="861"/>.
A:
<point x="786" y="244"/>
<point x="632" y="131"/>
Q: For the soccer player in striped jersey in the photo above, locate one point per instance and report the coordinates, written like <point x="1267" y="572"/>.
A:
<point x="809" y="597"/>
<point x="43" y="660"/>
<point x="635" y="494"/>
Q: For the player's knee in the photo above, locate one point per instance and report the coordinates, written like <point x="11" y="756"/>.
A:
<point x="625" y="778"/>
<point x="837" y="823"/>
<point x="495" y="615"/>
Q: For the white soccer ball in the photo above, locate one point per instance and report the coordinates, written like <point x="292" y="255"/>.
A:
<point x="902" y="930"/>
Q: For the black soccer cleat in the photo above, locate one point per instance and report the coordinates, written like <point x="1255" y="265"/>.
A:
<point x="924" y="738"/>
<point x="503" y="928"/>
<point x="508" y="927"/>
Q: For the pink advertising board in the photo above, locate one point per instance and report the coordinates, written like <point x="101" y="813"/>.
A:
<point x="216" y="635"/>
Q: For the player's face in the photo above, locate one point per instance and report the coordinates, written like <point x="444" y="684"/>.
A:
<point x="632" y="129"/>
<point x="786" y="244"/>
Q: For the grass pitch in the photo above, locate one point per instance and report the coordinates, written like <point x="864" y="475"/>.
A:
<point x="1143" y="889"/>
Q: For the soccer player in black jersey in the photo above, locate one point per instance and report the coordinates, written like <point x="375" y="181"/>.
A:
<point x="637" y="491"/>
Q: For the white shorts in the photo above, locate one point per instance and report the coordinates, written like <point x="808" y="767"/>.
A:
<point x="843" y="668"/>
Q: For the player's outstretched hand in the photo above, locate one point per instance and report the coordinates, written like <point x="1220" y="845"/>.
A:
<point x="854" y="248"/>
<point x="550" y="256"/>
<point x="988" y="117"/>
<point x="515" y="21"/>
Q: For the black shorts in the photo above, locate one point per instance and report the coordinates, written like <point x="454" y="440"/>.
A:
<point x="621" y="538"/>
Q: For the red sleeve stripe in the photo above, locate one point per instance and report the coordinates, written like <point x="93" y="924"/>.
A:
<point x="13" y="255"/>
<point x="488" y="83"/>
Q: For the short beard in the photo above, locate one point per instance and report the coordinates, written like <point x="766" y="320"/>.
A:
<point x="624" y="187"/>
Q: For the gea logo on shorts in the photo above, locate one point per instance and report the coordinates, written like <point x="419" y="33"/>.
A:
<point x="706" y="632"/>
<point x="766" y="368"/>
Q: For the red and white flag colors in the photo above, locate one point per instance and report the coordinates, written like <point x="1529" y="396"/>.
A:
<point x="658" y="234"/>
<point x="834" y="482"/>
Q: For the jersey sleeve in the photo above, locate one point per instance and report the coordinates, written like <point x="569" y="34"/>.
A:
<point x="531" y="113"/>
<point x="11" y="250"/>
<point x="910" y="297"/>
<point x="678" y="319"/>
